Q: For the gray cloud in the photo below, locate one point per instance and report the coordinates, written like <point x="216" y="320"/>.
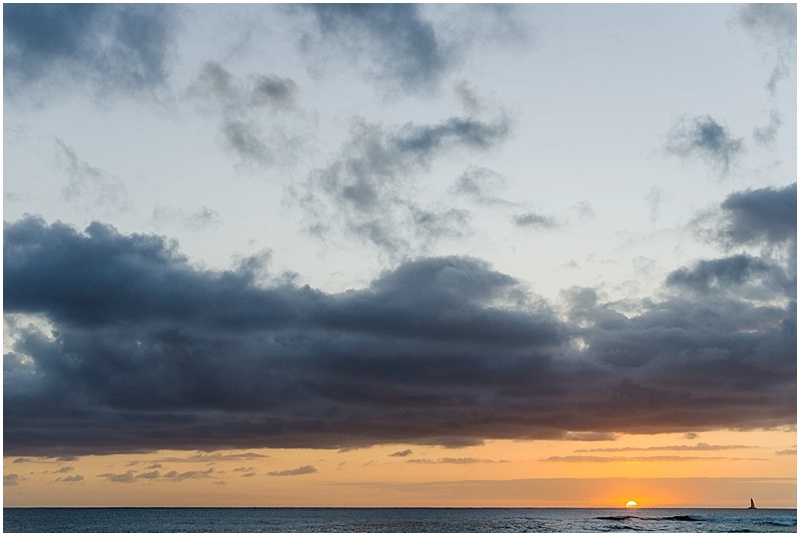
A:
<point x="244" y="469"/>
<point x="96" y="187"/>
<point x="616" y="459"/>
<point x="393" y="38"/>
<point x="71" y="478"/>
<point x="400" y="47"/>
<point x="175" y="476"/>
<point x="240" y="103"/>
<point x="130" y="477"/>
<point x="119" y="344"/>
<point x="533" y="219"/>
<point x="456" y="461"/>
<point x="11" y="479"/>
<point x="245" y="139"/>
<point x="401" y="453"/>
<point x="703" y="137"/>
<point x="768" y="133"/>
<point x="765" y="216"/>
<point x="217" y="87"/>
<point x="201" y="219"/>
<point x="369" y="191"/>
<point x="481" y="186"/>
<point x="304" y="470"/>
<point x="698" y="447"/>
<point x="469" y="99"/>
<point x="115" y="47"/>
<point x="124" y="478"/>
<point x="432" y="225"/>
<point x="755" y="277"/>
<point x="654" y="199"/>
<point x="150" y="475"/>
<point x="210" y="458"/>
<point x="273" y="91"/>
<point x="589" y="436"/>
<point x="774" y="26"/>
<point x="65" y="469"/>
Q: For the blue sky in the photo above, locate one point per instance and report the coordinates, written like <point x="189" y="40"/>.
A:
<point x="327" y="226"/>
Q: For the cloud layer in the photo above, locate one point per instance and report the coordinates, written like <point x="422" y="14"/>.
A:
<point x="703" y="137"/>
<point x="120" y="344"/>
<point x="114" y="47"/>
<point x="369" y="191"/>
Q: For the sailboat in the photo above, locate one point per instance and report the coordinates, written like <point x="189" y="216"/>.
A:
<point x="752" y="505"/>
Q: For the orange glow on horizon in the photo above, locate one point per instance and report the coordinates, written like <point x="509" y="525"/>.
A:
<point x="725" y="470"/>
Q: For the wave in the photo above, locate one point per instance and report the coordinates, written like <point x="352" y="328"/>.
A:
<point x="679" y="518"/>
<point x="778" y="523"/>
<point x="665" y="518"/>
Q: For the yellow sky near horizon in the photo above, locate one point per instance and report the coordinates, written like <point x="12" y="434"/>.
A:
<point x="713" y="469"/>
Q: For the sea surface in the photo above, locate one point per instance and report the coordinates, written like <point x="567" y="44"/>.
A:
<point x="232" y="520"/>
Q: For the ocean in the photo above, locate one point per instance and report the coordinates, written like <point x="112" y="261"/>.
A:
<point x="368" y="520"/>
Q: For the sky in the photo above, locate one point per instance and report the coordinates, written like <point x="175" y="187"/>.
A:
<point x="399" y="255"/>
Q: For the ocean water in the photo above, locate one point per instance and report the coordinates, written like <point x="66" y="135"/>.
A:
<point x="368" y="520"/>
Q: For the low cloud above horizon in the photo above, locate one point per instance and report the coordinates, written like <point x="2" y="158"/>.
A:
<point x="118" y="338"/>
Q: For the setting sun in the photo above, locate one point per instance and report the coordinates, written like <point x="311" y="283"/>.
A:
<point x="399" y="267"/>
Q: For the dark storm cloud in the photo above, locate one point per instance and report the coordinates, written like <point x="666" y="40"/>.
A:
<point x="738" y="273"/>
<point x="120" y="345"/>
<point x="705" y="138"/>
<point x="766" y="216"/>
<point x="369" y="191"/>
<point x="116" y="47"/>
<point x="774" y="26"/>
